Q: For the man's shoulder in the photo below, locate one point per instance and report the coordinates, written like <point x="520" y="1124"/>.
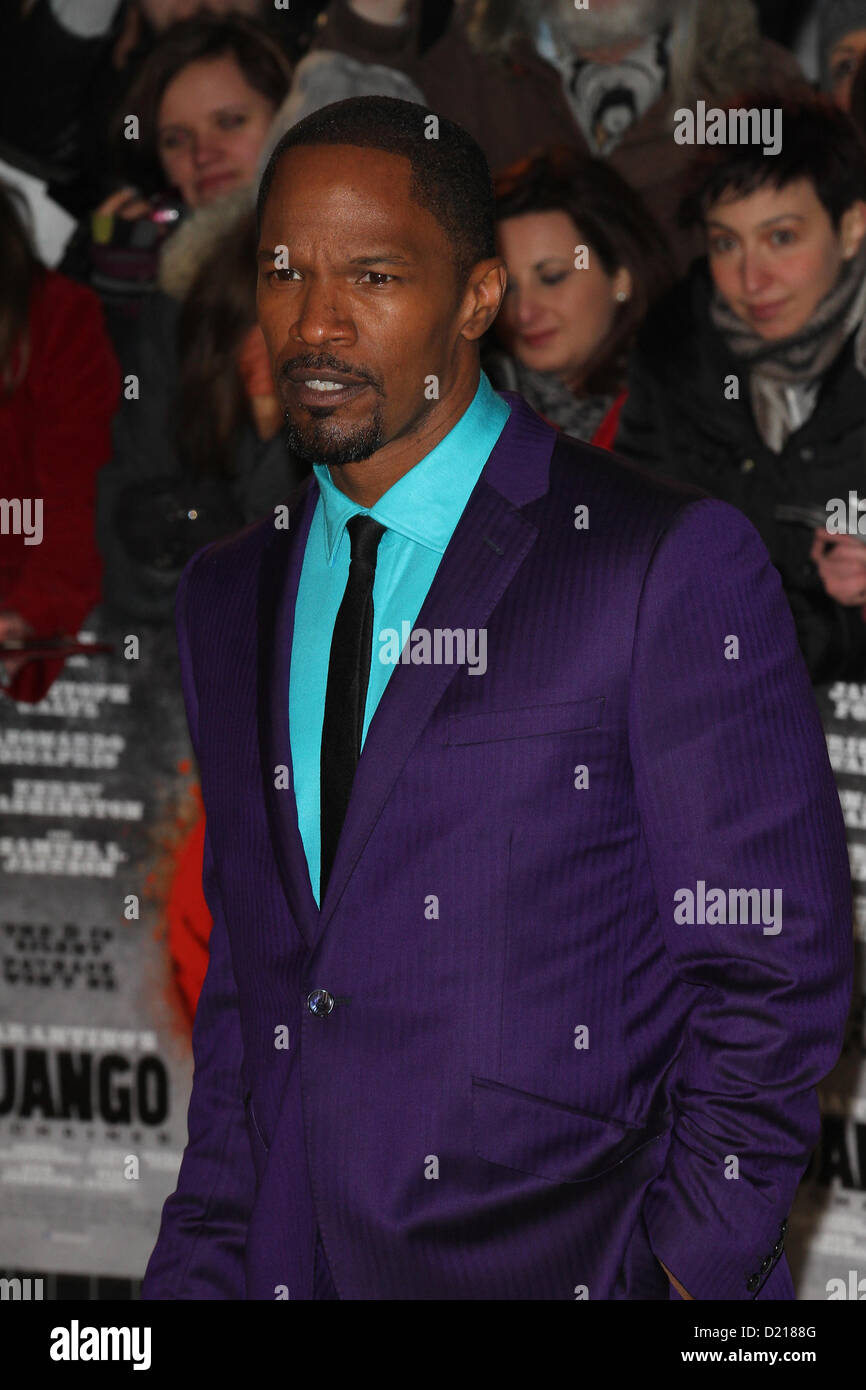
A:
<point x="229" y="565"/>
<point x="642" y="510"/>
<point x="615" y="482"/>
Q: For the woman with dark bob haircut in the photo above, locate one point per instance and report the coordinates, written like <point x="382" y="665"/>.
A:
<point x="749" y="379"/>
<point x="585" y="261"/>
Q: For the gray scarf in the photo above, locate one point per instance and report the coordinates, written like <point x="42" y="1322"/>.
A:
<point x="785" y="376"/>
<point x="579" y="416"/>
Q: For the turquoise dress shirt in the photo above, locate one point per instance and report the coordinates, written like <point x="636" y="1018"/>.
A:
<point x="420" y="513"/>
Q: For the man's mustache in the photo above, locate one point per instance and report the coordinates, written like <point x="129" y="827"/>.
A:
<point x="326" y="364"/>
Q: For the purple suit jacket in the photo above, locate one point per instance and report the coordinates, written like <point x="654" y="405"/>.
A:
<point x="535" y="1083"/>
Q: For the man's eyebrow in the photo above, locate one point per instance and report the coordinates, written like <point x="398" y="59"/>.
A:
<point x="382" y="258"/>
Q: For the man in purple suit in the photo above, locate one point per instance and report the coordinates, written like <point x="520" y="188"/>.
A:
<point x="531" y="904"/>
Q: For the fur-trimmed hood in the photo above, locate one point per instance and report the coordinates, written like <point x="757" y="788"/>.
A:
<point x="716" y="48"/>
<point x="196" y="239"/>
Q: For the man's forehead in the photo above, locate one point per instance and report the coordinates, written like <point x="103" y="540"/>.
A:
<point x="353" y="186"/>
<point x="342" y="164"/>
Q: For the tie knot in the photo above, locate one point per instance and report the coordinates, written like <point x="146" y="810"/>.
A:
<point x="364" y="535"/>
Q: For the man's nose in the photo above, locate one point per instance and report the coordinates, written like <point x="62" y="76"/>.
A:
<point x="320" y="317"/>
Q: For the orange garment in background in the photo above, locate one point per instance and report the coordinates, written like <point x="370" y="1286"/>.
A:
<point x="188" y="916"/>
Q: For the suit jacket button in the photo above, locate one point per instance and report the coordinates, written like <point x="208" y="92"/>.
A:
<point x="752" y="1282"/>
<point x="320" y="1002"/>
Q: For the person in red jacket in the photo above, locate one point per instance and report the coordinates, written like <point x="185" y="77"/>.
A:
<point x="59" y="388"/>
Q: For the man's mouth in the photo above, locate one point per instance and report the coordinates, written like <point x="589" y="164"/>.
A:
<point x="325" y="388"/>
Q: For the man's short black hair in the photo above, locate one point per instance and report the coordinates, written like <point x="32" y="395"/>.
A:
<point x="819" y="142"/>
<point x="450" y="175"/>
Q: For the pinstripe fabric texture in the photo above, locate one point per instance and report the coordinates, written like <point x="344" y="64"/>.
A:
<point x="323" y="1284"/>
<point x="536" y="1080"/>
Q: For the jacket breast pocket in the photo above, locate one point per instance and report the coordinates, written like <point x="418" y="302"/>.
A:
<point x="534" y="1135"/>
<point x="529" y="721"/>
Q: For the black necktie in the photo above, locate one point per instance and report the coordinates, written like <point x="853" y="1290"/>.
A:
<point x="346" y="695"/>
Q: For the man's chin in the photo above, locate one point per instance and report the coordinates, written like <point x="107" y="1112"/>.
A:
<point x="323" y="441"/>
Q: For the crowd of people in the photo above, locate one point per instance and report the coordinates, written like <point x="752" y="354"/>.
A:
<point x="698" y="308"/>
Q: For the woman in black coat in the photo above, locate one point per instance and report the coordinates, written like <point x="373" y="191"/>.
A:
<point x="749" y="378"/>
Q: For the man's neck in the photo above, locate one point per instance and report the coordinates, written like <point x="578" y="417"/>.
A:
<point x="366" y="480"/>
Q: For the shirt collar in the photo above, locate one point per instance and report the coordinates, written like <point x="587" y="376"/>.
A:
<point x="428" y="501"/>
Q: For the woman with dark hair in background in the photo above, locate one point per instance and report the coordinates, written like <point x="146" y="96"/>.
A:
<point x="204" y="100"/>
<point x="749" y="379"/>
<point x="86" y="53"/>
<point x="59" y="387"/>
<point x="585" y="261"/>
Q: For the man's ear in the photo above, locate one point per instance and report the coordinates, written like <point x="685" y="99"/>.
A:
<point x="483" y="296"/>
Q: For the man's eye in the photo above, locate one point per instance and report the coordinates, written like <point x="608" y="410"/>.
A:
<point x="379" y="276"/>
<point x="282" y="273"/>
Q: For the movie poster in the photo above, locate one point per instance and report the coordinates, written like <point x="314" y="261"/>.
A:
<point x="826" y="1242"/>
<point x="99" y="823"/>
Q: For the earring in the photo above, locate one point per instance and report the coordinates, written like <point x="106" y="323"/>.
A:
<point x="621" y="296"/>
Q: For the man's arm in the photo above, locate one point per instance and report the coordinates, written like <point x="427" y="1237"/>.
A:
<point x="199" y="1253"/>
<point x="735" y="789"/>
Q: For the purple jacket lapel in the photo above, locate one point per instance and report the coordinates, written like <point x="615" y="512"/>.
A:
<point x="279" y="575"/>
